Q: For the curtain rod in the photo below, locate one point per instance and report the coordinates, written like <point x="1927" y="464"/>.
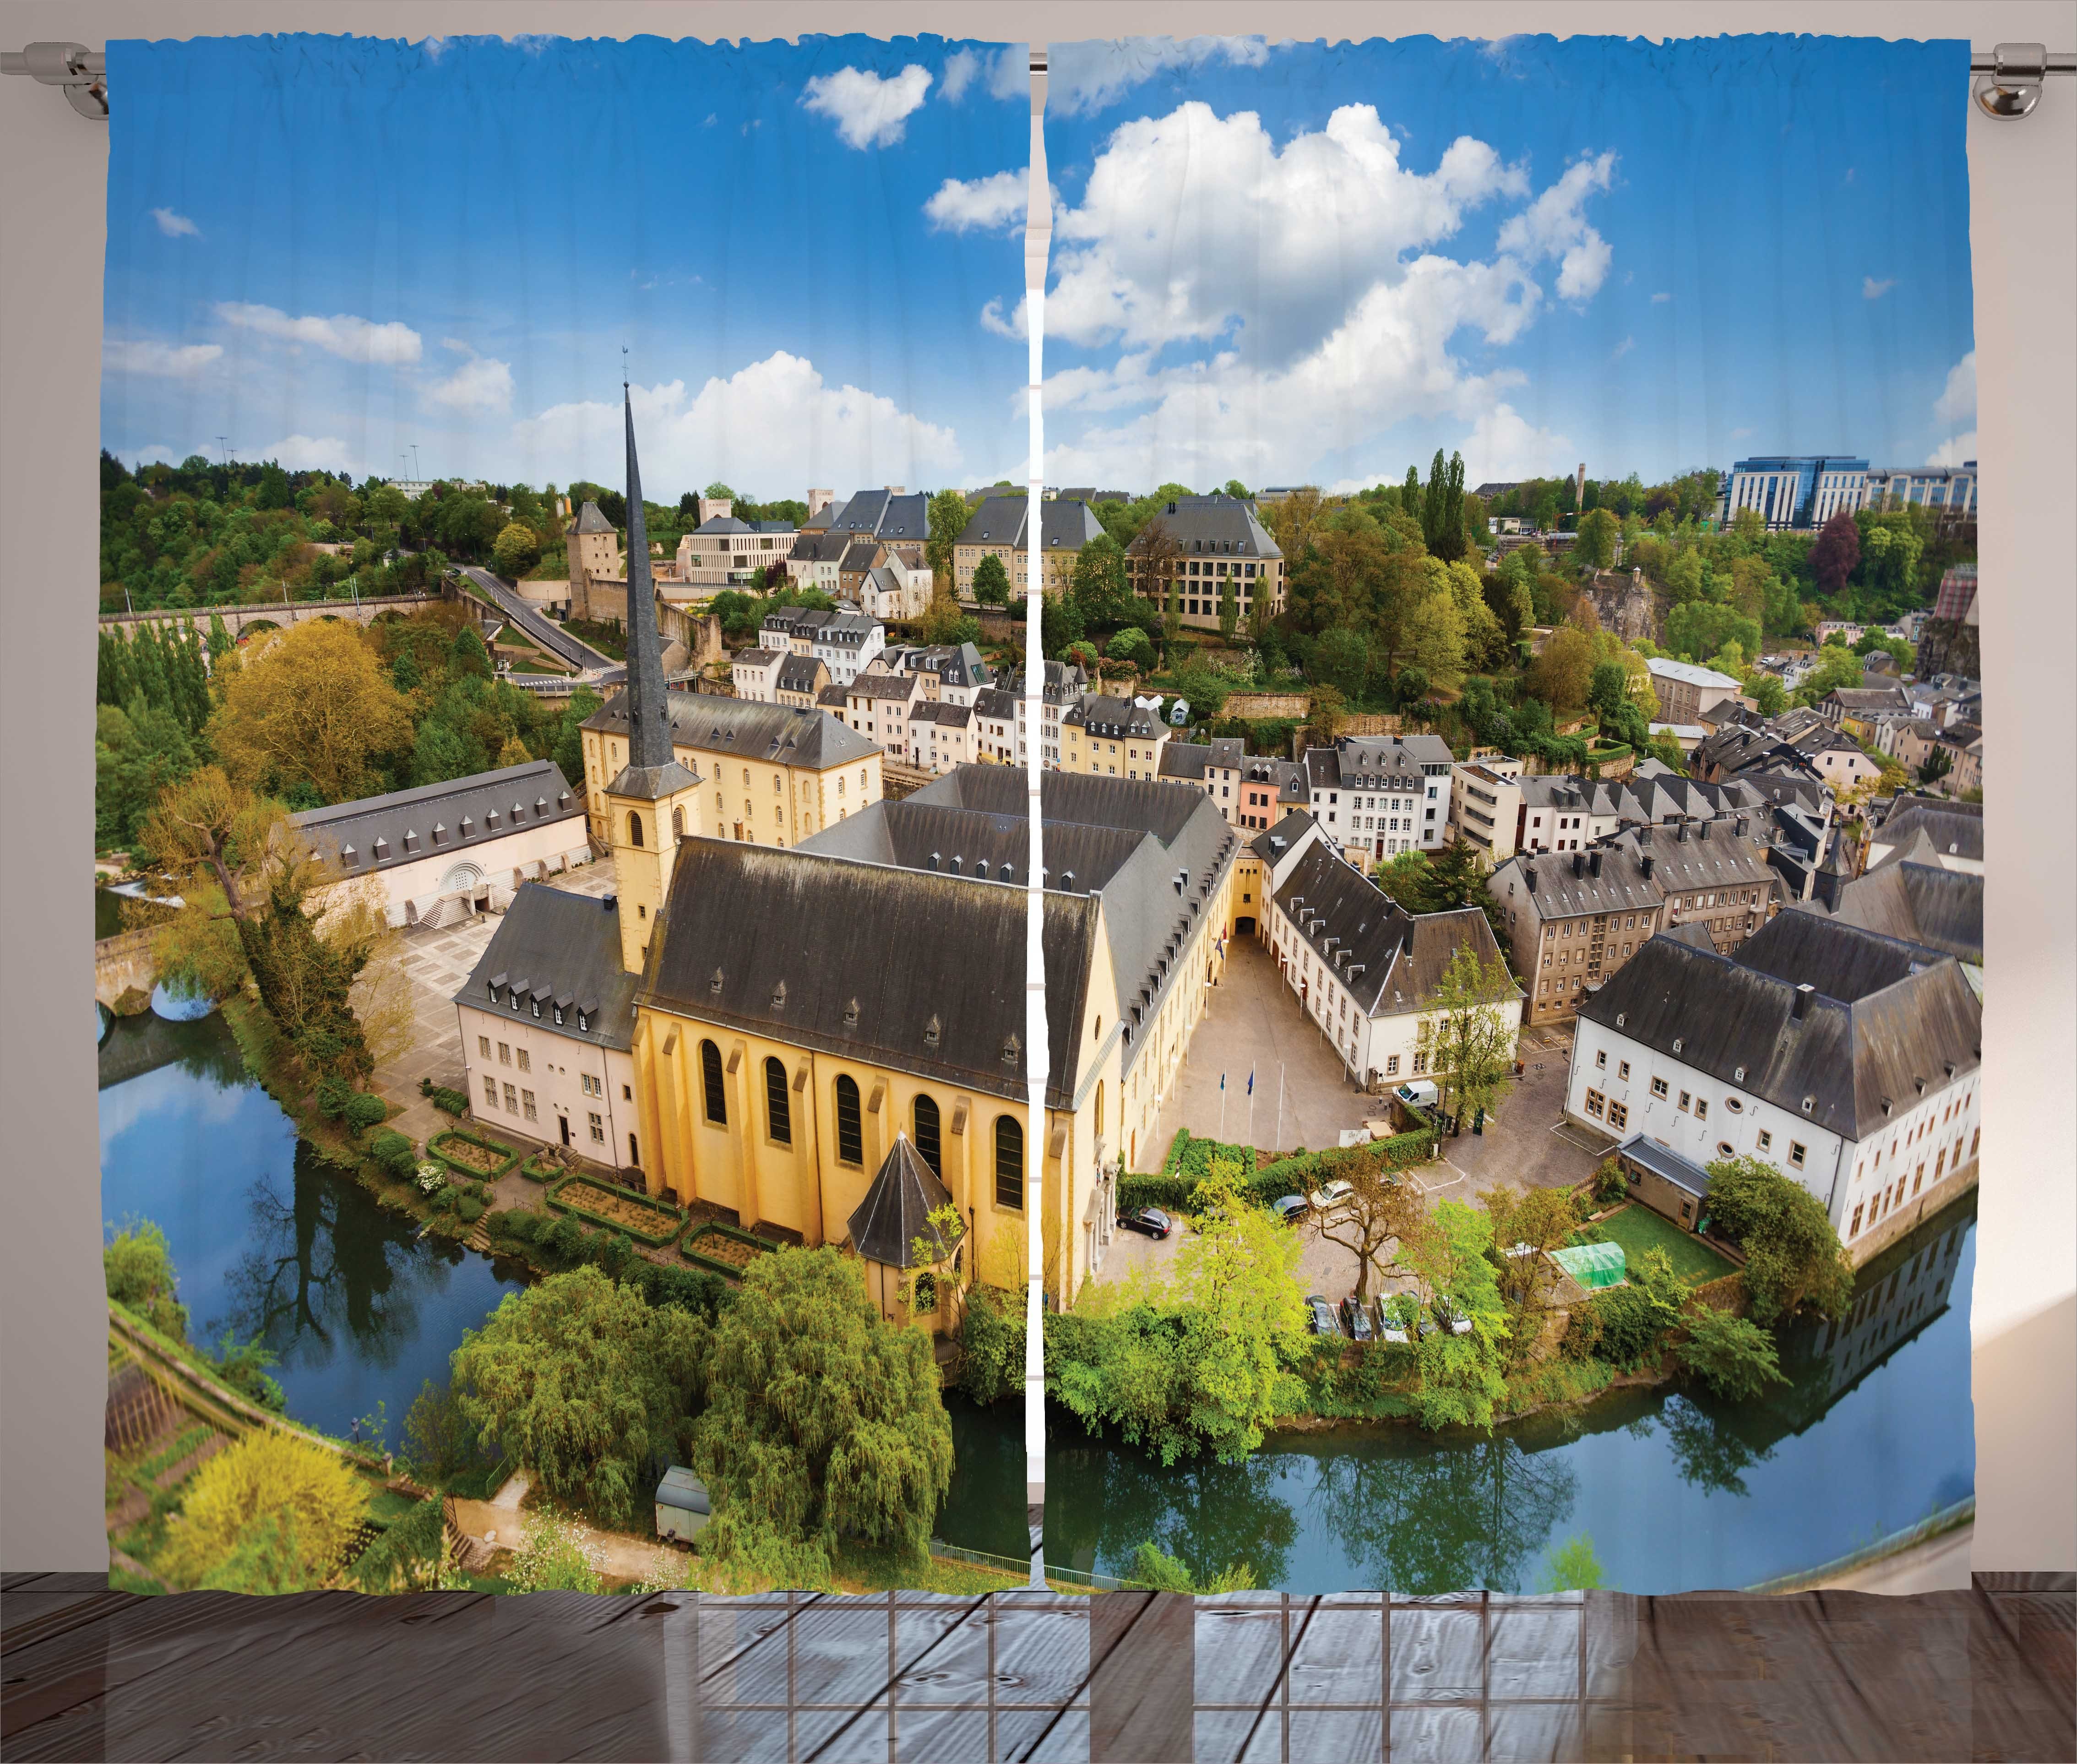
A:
<point x="2008" y="85"/>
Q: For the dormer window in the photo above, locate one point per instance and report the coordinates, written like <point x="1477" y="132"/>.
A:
<point x="381" y="850"/>
<point x="410" y="842"/>
<point x="468" y="827"/>
<point x="348" y="856"/>
<point x="490" y="820"/>
<point x="584" y="1023"/>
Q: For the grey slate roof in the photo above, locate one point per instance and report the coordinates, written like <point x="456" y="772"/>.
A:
<point x="1712" y="855"/>
<point x="1391" y="960"/>
<point x="1663" y="1161"/>
<point x="589" y="520"/>
<point x="706" y="721"/>
<point x="1387" y="762"/>
<point x="756" y="658"/>
<point x="1885" y="1017"/>
<point x="1952" y="828"/>
<point x="883" y="686"/>
<point x="464" y="815"/>
<point x="1555" y="888"/>
<point x="800" y="674"/>
<point x="1920" y="903"/>
<point x="883" y="515"/>
<point x="724" y="523"/>
<point x="858" y="556"/>
<point x="1272" y="843"/>
<point x="1154" y="853"/>
<point x="996" y="702"/>
<point x="1185" y="760"/>
<point x="1000" y="520"/>
<point x="820" y="548"/>
<point x="828" y="929"/>
<point x="1115" y="717"/>
<point x="897" y="1210"/>
<point x="1208" y="523"/>
<point x="560" y="948"/>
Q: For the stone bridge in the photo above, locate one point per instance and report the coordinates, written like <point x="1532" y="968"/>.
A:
<point x="275" y="613"/>
<point x="123" y="961"/>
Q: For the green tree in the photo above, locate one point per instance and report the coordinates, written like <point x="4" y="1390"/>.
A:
<point x="990" y="582"/>
<point x="1736" y="1358"/>
<point x="1767" y="691"/>
<point x="1132" y="645"/>
<point x="1697" y="629"/>
<point x="273" y="488"/>
<point x="584" y="1382"/>
<point x="271" y="1512"/>
<point x="516" y="550"/>
<point x="137" y="1266"/>
<point x="823" y="1421"/>
<point x="1154" y="1568"/>
<point x="1341" y="659"/>
<point x="1600" y="533"/>
<point x="1098" y="586"/>
<point x="1459" y="1376"/>
<point x="1793" y="1257"/>
<point x="1229" y="609"/>
<point x="1475" y="1013"/>
<point x="1573" y="1566"/>
<point x="1562" y="673"/>
<point x="949" y="514"/>
<point x="136" y="754"/>
<point x="568" y="748"/>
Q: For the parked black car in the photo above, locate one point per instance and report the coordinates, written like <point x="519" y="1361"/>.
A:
<point x="1319" y="1315"/>
<point x="1356" y="1319"/>
<point x="1289" y="1208"/>
<point x="1151" y="1221"/>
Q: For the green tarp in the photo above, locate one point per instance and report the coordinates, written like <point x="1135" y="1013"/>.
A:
<point x="1593" y="1265"/>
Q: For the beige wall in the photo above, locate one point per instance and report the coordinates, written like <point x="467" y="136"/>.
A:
<point x="551" y="1070"/>
<point x="773" y="804"/>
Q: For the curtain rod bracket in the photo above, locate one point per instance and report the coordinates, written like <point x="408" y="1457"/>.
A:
<point x="82" y="72"/>
<point x="2008" y="79"/>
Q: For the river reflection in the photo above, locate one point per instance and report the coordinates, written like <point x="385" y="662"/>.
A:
<point x="1677" y="1490"/>
<point x="266" y="1240"/>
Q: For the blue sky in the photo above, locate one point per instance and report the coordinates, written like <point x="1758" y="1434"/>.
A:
<point x="1281" y="263"/>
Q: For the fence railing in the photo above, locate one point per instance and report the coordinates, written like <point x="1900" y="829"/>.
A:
<point x="1073" y="1577"/>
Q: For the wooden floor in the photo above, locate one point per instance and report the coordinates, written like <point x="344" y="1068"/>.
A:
<point x="1988" y="1673"/>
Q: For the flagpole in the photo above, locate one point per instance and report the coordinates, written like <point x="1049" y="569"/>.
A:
<point x="1279" y="1145"/>
<point x="1251" y="1107"/>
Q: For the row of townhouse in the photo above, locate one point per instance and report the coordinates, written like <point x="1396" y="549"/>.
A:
<point x="1497" y="810"/>
<point x="1574" y="918"/>
<point x="1374" y="797"/>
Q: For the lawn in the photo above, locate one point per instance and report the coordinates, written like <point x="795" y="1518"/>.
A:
<point x="1638" y="1228"/>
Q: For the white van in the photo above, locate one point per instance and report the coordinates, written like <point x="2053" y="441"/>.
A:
<point x="1419" y="1094"/>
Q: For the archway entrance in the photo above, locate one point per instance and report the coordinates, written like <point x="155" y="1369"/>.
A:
<point x="1244" y="926"/>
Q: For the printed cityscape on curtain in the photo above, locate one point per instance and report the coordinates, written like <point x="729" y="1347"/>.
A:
<point x="1512" y="768"/>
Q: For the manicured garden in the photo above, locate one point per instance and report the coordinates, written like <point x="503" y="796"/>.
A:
<point x="1638" y="1228"/>
<point x="652" y="1222"/>
<point x="474" y="1155"/>
<point x="722" y="1249"/>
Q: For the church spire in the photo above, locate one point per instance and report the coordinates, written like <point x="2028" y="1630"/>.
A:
<point x="652" y="770"/>
<point x="648" y="709"/>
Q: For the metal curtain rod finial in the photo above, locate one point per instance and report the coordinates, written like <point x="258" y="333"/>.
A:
<point x="82" y="72"/>
<point x="2008" y="79"/>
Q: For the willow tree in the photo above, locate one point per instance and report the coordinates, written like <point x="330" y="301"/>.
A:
<point x="308" y="943"/>
<point x="824" y="1422"/>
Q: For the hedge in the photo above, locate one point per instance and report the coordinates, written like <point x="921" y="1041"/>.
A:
<point x="364" y="1108"/>
<point x="468" y="1172"/>
<point x="717" y="1228"/>
<point x="449" y="1102"/>
<point x="393" y="1152"/>
<point x="537" y="1169"/>
<point x="1187" y="1165"/>
<point x="559" y="1199"/>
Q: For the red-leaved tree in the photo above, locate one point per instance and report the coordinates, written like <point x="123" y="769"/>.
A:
<point x="1836" y="553"/>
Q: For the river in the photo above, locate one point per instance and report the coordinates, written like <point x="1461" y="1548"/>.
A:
<point x="1676" y="1492"/>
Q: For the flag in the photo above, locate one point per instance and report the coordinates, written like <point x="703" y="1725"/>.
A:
<point x="1250" y="1080"/>
<point x="1223" y="1080"/>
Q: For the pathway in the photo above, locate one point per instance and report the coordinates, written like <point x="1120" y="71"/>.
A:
<point x="502" y="1522"/>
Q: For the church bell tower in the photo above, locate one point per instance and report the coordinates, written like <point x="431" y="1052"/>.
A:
<point x="651" y="805"/>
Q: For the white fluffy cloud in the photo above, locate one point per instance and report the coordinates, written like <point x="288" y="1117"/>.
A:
<point x="162" y="360"/>
<point x="1388" y="361"/>
<point x="963" y="66"/>
<point x="342" y="334"/>
<point x="768" y="429"/>
<point x="1233" y="336"/>
<point x="175" y="226"/>
<point x="1956" y="410"/>
<point x="1191" y="224"/>
<point x="1081" y="77"/>
<point x="1872" y="290"/>
<point x="961" y="204"/>
<point x="869" y="109"/>
<point x="1554" y="225"/>
<point x="478" y="383"/>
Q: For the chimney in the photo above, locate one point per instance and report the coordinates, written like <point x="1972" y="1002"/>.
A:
<point x="1801" y="1007"/>
<point x="1646" y="863"/>
<point x="1702" y="830"/>
<point x="1593" y="863"/>
<point x="1682" y="835"/>
<point x="1578" y="863"/>
<point x="1529" y="876"/>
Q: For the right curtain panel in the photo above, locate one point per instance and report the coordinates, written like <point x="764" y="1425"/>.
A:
<point x="1530" y="488"/>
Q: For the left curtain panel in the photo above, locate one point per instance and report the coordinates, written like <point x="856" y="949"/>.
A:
<point x="533" y="482"/>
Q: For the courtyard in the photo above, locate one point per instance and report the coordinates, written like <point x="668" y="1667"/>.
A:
<point x="1254" y="1024"/>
